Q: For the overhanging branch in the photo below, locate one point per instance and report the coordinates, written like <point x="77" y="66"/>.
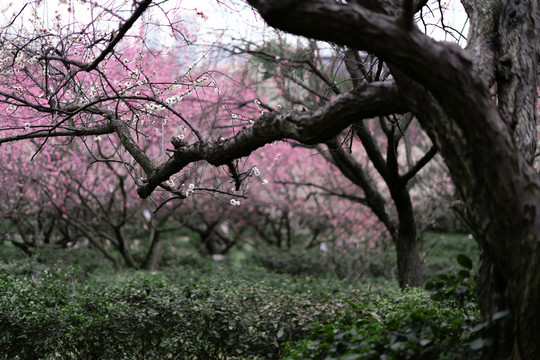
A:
<point x="308" y="128"/>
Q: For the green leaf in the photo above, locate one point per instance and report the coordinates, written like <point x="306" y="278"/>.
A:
<point x="464" y="261"/>
<point x="477" y="344"/>
<point x="500" y="315"/>
<point x="280" y="332"/>
<point x="425" y="342"/>
<point x="479" y="327"/>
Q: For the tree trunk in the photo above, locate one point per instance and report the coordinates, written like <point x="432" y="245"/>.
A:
<point x="404" y="234"/>
<point x="157" y="256"/>
<point x="501" y="192"/>
<point x="505" y="46"/>
<point x="408" y="262"/>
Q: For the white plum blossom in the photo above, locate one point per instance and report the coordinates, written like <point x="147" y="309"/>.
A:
<point x="235" y="202"/>
<point x="264" y="182"/>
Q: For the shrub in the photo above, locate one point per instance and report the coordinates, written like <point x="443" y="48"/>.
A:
<point x="214" y="311"/>
<point x="458" y="287"/>
<point x="219" y="312"/>
<point x="391" y="325"/>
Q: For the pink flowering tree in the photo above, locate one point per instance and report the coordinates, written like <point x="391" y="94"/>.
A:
<point x="88" y="180"/>
<point x="27" y="218"/>
<point x="150" y="100"/>
<point x="83" y="91"/>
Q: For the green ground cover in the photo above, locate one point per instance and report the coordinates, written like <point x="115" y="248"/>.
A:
<point x="208" y="310"/>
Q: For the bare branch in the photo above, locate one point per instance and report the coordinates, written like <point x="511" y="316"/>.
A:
<point x="419" y="165"/>
<point x="67" y="132"/>
<point x="122" y="130"/>
<point x="327" y="191"/>
<point x="124" y="28"/>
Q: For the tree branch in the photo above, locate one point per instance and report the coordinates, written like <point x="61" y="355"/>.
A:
<point x="372" y="150"/>
<point x="308" y="128"/>
<point x="353" y="171"/>
<point x="327" y="191"/>
<point x="419" y="165"/>
<point x="45" y="133"/>
<point x="124" y="28"/>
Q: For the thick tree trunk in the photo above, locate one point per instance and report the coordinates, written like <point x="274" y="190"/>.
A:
<point x="502" y="197"/>
<point x="505" y="47"/>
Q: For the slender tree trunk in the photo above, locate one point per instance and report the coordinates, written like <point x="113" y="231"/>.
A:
<point x="408" y="262"/>
<point x="155" y="241"/>
<point x="157" y="256"/>
<point x="404" y="233"/>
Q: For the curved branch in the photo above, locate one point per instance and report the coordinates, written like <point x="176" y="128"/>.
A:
<point x="308" y="128"/>
<point x="122" y="130"/>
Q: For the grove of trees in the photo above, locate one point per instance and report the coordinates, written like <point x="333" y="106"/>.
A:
<point x="113" y="119"/>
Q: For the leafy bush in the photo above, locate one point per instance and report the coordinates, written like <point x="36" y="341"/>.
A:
<point x="391" y="325"/>
<point x="458" y="287"/>
<point x="216" y="313"/>
<point x="439" y="251"/>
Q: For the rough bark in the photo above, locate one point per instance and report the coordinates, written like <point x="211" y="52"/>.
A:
<point x="515" y="67"/>
<point x="517" y="70"/>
